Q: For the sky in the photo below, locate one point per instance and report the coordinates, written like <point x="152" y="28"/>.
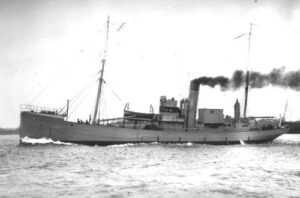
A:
<point x="51" y="51"/>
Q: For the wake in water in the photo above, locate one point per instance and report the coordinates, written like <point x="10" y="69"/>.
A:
<point x="149" y="144"/>
<point x="125" y="145"/>
<point x="32" y="141"/>
<point x="134" y="144"/>
<point x="242" y="142"/>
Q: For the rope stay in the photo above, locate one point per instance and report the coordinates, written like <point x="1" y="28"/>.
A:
<point x="79" y="94"/>
<point x="114" y="93"/>
<point x="82" y="99"/>
<point x="58" y="74"/>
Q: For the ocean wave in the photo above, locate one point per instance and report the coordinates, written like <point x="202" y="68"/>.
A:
<point x="28" y="140"/>
<point x="293" y="139"/>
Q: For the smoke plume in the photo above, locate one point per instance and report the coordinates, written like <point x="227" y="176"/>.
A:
<point x="277" y="77"/>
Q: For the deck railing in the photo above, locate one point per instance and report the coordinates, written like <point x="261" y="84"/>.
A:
<point x="38" y="109"/>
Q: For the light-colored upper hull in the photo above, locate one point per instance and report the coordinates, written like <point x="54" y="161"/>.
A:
<point x="37" y="125"/>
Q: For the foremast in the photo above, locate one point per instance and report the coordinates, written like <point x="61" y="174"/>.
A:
<point x="98" y="98"/>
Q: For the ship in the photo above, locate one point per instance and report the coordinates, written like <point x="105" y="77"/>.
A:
<point x="172" y="124"/>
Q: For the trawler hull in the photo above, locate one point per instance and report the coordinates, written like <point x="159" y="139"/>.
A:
<point x="39" y="125"/>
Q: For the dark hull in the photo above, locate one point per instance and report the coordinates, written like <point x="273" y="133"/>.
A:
<point x="38" y="125"/>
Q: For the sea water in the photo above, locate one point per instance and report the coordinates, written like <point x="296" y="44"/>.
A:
<point x="46" y="168"/>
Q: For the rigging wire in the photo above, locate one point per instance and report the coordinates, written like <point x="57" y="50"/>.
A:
<point x="103" y="108"/>
<point x="83" y="89"/>
<point x="45" y="87"/>
<point x="99" y="105"/>
<point x="82" y="99"/>
<point x="114" y="93"/>
<point x="103" y="105"/>
<point x="82" y="96"/>
<point x="79" y="94"/>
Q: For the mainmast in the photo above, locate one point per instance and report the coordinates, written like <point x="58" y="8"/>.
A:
<point x="247" y="72"/>
<point x="246" y="94"/>
<point x="98" y="98"/>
